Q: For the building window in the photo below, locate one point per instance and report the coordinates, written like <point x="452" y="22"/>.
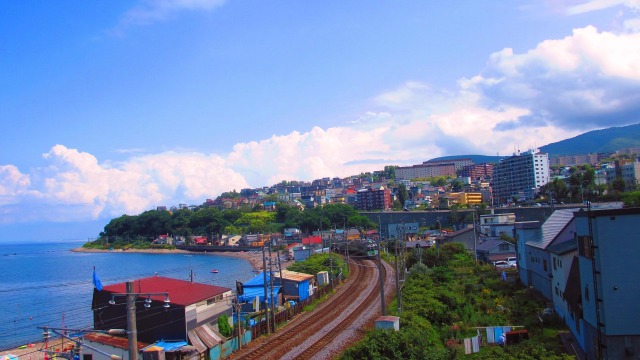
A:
<point x="585" y="246"/>
<point x="544" y="265"/>
<point x="554" y="263"/>
<point x="504" y="247"/>
<point x="586" y="293"/>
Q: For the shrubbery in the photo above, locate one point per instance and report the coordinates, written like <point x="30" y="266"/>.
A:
<point x="444" y="302"/>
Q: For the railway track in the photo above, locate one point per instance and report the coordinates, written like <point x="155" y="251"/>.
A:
<point x="316" y="329"/>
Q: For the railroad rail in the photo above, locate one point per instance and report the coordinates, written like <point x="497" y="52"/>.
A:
<point x="318" y="328"/>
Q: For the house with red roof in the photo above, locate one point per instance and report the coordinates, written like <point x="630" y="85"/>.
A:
<point x="191" y="316"/>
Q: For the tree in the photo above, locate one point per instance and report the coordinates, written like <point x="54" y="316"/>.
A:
<point x="390" y="171"/>
<point x="403" y="194"/>
<point x="631" y="199"/>
<point x="456" y="185"/>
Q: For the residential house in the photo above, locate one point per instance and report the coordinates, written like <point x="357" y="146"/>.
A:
<point x="464" y="236"/>
<point x="491" y="250"/>
<point x="497" y="224"/>
<point x="557" y="229"/>
<point x="563" y="259"/>
<point x="607" y="300"/>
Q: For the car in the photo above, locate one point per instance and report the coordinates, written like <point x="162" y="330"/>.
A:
<point x="512" y="261"/>
<point x="503" y="264"/>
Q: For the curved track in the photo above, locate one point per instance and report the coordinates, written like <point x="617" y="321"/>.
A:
<point x="313" y="331"/>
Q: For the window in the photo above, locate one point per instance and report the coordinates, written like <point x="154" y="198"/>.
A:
<point x="585" y="246"/>
<point x="504" y="247"/>
<point x="544" y="265"/>
<point x="554" y="263"/>
<point x="586" y="293"/>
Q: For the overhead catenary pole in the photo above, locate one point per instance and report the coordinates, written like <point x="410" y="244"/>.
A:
<point x="381" y="280"/>
<point x="132" y="333"/>
<point x="273" y="303"/>
<point x="475" y="238"/>
<point x="264" y="274"/>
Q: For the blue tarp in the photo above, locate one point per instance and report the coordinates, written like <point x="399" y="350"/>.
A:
<point x="258" y="280"/>
<point x="251" y="292"/>
<point x="168" y="345"/>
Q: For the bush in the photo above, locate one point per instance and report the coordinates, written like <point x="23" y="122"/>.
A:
<point x="223" y="325"/>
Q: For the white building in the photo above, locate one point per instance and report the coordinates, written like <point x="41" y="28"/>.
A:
<point x="520" y="175"/>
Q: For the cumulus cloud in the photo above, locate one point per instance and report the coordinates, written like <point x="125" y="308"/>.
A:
<point x="74" y="186"/>
<point x="586" y="80"/>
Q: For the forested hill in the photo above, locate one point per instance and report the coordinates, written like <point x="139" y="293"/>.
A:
<point x="597" y="141"/>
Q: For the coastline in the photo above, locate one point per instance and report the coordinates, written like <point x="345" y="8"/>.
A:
<point x="254" y="259"/>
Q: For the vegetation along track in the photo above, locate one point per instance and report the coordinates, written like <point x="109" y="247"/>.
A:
<point x="323" y="324"/>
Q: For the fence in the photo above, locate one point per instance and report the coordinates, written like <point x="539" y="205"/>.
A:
<point x="260" y="328"/>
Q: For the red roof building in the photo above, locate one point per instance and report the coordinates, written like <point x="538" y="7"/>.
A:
<point x="312" y="240"/>
<point x="191" y="306"/>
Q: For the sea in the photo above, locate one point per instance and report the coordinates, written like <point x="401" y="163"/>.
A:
<point x="47" y="284"/>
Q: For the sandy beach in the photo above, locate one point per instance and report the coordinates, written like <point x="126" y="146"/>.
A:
<point x="255" y="259"/>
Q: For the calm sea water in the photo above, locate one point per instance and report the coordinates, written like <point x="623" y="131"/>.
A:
<point x="47" y="284"/>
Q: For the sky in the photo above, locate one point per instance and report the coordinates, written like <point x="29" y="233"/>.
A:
<point x="112" y="108"/>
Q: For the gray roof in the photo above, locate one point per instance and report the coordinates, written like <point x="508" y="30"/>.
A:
<point x="490" y="244"/>
<point x="551" y="228"/>
<point x="563" y="247"/>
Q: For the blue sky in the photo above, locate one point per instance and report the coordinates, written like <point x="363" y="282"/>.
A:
<point x="112" y="108"/>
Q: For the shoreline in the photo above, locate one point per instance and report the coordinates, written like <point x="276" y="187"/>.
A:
<point x="254" y="259"/>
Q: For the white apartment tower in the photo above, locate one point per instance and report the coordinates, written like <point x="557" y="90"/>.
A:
<point x="520" y="175"/>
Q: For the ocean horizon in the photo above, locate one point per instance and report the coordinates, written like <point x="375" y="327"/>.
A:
<point x="47" y="284"/>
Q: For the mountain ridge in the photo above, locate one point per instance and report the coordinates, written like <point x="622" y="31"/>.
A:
<point x="606" y="140"/>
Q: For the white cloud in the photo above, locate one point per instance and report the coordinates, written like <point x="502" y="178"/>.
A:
<point x="594" y="5"/>
<point x="151" y="11"/>
<point x="581" y="81"/>
<point x="12" y="184"/>
<point x="75" y="186"/>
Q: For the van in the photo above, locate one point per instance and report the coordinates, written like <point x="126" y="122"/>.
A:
<point x="512" y="261"/>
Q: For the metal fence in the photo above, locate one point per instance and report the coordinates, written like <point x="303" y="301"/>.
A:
<point x="260" y="328"/>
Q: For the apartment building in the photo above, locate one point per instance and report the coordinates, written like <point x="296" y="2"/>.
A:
<point x="520" y="175"/>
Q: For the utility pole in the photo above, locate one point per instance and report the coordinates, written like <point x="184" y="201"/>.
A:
<point x="331" y="261"/>
<point x="273" y="303"/>
<point x="237" y="306"/>
<point x="381" y="280"/>
<point x="264" y="274"/>
<point x="132" y="334"/>
<point x="475" y="238"/>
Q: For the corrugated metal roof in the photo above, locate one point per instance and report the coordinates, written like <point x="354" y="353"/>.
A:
<point x="196" y="342"/>
<point x="111" y="340"/>
<point x="293" y="275"/>
<point x="181" y="292"/>
<point x="208" y="336"/>
<point x="551" y="228"/>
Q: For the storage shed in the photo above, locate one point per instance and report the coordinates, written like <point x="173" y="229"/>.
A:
<point x="296" y="286"/>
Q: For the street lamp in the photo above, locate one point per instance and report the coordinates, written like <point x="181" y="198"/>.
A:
<point x="132" y="333"/>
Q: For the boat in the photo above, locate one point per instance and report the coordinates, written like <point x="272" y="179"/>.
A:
<point x="214" y="271"/>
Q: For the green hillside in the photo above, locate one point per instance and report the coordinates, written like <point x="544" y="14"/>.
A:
<point x="477" y="159"/>
<point x="597" y="141"/>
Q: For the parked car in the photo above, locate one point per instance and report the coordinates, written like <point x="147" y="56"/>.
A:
<point x="503" y="264"/>
<point x="512" y="261"/>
